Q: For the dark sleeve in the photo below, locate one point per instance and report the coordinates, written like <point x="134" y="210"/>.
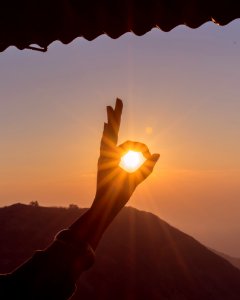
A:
<point x="49" y="274"/>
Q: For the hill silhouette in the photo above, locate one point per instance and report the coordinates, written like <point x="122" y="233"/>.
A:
<point x="140" y="256"/>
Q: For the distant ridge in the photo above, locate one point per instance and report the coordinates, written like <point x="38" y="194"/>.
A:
<point x="140" y="256"/>
<point x="233" y="260"/>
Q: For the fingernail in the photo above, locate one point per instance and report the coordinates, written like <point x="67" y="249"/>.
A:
<point x="155" y="157"/>
<point x="119" y="101"/>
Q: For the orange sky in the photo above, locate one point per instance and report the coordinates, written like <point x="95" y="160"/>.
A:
<point x="181" y="97"/>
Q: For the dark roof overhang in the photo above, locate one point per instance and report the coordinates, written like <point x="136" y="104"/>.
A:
<point x="41" y="22"/>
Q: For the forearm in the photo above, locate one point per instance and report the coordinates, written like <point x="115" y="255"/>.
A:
<point x="92" y="224"/>
<point x="53" y="272"/>
<point x="49" y="274"/>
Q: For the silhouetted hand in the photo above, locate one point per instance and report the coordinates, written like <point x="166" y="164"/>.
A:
<point x="115" y="185"/>
<point x="52" y="273"/>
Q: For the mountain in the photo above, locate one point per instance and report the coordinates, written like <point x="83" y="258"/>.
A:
<point x="233" y="260"/>
<point x="140" y="256"/>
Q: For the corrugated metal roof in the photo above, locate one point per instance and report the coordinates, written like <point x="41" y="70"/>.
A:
<point x="23" y="23"/>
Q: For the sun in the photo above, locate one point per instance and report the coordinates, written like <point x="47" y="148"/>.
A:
<point x="131" y="161"/>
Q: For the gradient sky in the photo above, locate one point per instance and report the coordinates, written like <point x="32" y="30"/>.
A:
<point x="183" y="85"/>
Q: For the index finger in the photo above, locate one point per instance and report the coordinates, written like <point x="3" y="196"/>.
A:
<point x="111" y="128"/>
<point x="118" y="111"/>
<point x="134" y="146"/>
<point x="114" y="120"/>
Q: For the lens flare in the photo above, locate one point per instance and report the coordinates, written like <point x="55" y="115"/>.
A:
<point x="131" y="161"/>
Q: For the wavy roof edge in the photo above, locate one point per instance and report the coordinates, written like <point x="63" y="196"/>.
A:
<point x="67" y="20"/>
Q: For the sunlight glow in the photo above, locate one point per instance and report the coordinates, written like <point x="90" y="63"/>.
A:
<point x="131" y="161"/>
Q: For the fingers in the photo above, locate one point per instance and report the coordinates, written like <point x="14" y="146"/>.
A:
<point x="134" y="146"/>
<point x="118" y="112"/>
<point x="111" y="128"/>
<point x="146" y="169"/>
<point x="114" y="120"/>
<point x="107" y="147"/>
<point x="105" y="141"/>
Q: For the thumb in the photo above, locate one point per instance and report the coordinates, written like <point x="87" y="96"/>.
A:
<point x="146" y="169"/>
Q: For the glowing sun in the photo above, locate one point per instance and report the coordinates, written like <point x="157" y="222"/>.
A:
<point x="131" y="161"/>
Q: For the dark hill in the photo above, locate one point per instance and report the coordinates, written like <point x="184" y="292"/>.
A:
<point x="140" y="256"/>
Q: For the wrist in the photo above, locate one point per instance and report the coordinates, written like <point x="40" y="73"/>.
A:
<point x="109" y="204"/>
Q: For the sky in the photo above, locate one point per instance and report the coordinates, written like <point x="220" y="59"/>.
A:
<point x="181" y="97"/>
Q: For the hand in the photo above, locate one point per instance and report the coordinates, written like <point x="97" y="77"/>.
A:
<point x="115" y="185"/>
